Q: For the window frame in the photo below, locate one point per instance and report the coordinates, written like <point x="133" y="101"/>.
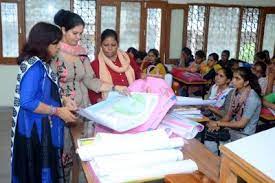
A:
<point x="21" y="32"/>
<point x="170" y="8"/>
<point x="261" y="29"/>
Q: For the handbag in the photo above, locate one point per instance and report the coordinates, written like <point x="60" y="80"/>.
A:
<point x="220" y="135"/>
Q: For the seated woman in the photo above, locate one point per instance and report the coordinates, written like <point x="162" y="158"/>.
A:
<point x="208" y="69"/>
<point x="195" y="66"/>
<point x="269" y="105"/>
<point x="221" y="92"/>
<point x="133" y="53"/>
<point x="154" y="66"/>
<point x="186" y="58"/>
<point x="259" y="69"/>
<point x="245" y="106"/>
<point x="112" y="65"/>
<point x="271" y="78"/>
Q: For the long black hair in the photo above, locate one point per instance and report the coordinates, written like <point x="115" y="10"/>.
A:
<point x="247" y="75"/>
<point x="40" y="37"/>
<point x="67" y="19"/>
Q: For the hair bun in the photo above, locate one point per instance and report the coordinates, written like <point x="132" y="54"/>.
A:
<point x="59" y="17"/>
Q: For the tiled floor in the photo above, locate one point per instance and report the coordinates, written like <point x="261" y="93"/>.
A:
<point x="5" y="122"/>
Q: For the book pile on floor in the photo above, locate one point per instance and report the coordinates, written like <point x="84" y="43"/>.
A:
<point x="134" y="157"/>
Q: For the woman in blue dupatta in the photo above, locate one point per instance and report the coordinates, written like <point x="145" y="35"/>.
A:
<point x="38" y="116"/>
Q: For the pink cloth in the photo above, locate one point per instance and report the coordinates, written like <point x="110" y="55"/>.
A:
<point x="166" y="100"/>
<point x="266" y="111"/>
<point x="187" y="76"/>
<point x="176" y="125"/>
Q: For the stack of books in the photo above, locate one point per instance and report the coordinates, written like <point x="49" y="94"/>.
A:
<point x="134" y="157"/>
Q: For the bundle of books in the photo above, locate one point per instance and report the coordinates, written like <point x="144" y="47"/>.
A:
<point x="134" y="157"/>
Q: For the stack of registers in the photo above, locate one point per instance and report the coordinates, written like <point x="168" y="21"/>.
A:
<point x="187" y="112"/>
<point x="134" y="157"/>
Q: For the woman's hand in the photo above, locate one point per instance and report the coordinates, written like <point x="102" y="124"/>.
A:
<point x="68" y="102"/>
<point x="122" y="89"/>
<point x="66" y="114"/>
<point x="213" y="126"/>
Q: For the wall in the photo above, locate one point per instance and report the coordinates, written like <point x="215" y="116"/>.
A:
<point x="230" y="2"/>
<point x="7" y="82"/>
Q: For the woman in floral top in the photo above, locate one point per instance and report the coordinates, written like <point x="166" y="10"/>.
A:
<point x="75" y="73"/>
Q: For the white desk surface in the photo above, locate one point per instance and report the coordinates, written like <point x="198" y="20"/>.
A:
<point x="258" y="150"/>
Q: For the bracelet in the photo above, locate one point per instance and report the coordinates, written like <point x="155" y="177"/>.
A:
<point x="113" y="88"/>
<point x="53" y="110"/>
<point x="217" y="124"/>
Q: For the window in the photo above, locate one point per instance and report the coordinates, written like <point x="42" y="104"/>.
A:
<point x="269" y="35"/>
<point x="176" y="33"/>
<point x="195" y="28"/>
<point x="249" y="35"/>
<point x="145" y="25"/>
<point x="223" y="30"/>
<point x="11" y="31"/>
<point x="130" y="25"/>
<point x="42" y="10"/>
<point x="87" y="10"/>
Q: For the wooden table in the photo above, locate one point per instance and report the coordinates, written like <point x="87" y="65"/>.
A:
<point x="208" y="163"/>
<point x="202" y="85"/>
<point x="251" y="158"/>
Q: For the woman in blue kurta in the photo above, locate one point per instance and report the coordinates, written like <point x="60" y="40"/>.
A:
<point x="38" y="118"/>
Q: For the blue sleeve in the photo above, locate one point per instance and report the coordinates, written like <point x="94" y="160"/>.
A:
<point x="30" y="87"/>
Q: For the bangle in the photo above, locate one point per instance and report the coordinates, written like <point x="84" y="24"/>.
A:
<point x="53" y="110"/>
<point x="113" y="88"/>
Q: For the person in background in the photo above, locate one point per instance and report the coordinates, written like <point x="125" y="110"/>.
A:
<point x="221" y="92"/>
<point x="208" y="69"/>
<point x="133" y="53"/>
<point x="262" y="57"/>
<point x="259" y="69"/>
<point x="38" y="115"/>
<point x="195" y="66"/>
<point x="271" y="78"/>
<point x="245" y="106"/>
<point x="155" y="67"/>
<point x="141" y="57"/>
<point x="113" y="66"/>
<point x="224" y="62"/>
<point x="186" y="57"/>
<point x="267" y="56"/>
<point x="235" y="64"/>
<point x="269" y="105"/>
<point x="75" y="75"/>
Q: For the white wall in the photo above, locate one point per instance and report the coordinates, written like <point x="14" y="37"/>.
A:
<point x="231" y="2"/>
<point x="7" y="84"/>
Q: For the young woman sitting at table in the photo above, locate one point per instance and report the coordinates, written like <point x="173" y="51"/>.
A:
<point x="195" y="65"/>
<point x="112" y="65"/>
<point x="221" y="92"/>
<point x="154" y="66"/>
<point x="245" y="106"/>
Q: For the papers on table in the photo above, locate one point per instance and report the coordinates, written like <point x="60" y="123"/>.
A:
<point x="193" y="101"/>
<point x="132" y="157"/>
<point x="187" y="112"/>
<point x="109" y="144"/>
<point x="174" y="123"/>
